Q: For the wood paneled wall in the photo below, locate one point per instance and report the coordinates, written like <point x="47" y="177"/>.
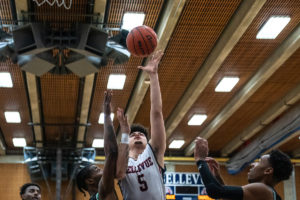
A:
<point x="13" y="176"/>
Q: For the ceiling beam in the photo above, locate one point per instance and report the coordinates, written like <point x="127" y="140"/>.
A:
<point x="266" y="70"/>
<point x="35" y="109"/>
<point x="239" y="23"/>
<point x="164" y="32"/>
<point x="85" y="105"/>
<point x="286" y="102"/>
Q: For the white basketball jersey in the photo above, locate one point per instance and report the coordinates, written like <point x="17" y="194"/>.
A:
<point x="143" y="179"/>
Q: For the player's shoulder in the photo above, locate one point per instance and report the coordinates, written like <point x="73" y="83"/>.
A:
<point x="257" y="186"/>
<point x="257" y="190"/>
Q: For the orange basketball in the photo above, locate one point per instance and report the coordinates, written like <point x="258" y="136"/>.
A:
<point x="141" y="41"/>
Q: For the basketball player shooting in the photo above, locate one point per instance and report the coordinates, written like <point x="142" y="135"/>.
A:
<point x="143" y="178"/>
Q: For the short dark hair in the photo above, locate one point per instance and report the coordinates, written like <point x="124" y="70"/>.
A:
<point x="26" y="185"/>
<point x="281" y="164"/>
<point x="139" y="128"/>
<point x="83" y="174"/>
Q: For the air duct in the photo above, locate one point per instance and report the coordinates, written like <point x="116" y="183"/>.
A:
<point x="286" y="127"/>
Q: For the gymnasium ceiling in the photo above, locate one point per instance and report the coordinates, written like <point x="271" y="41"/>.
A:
<point x="203" y="41"/>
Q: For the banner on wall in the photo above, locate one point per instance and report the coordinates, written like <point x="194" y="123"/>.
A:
<point x="184" y="186"/>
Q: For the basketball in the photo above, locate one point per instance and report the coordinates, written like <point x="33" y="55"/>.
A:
<point x="141" y="41"/>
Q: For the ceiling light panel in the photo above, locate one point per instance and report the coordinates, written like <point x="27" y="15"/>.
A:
<point x="227" y="84"/>
<point x="5" y="80"/>
<point x="197" y="119"/>
<point x="19" y="142"/>
<point x="132" y="20"/>
<point x="273" y="27"/>
<point x="12" y="117"/>
<point x="116" y="81"/>
<point x="176" y="144"/>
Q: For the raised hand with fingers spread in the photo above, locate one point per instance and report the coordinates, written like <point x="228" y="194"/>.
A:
<point x="152" y="65"/>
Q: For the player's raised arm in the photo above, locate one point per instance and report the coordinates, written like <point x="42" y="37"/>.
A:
<point x="158" y="133"/>
<point x="122" y="161"/>
<point x="106" y="185"/>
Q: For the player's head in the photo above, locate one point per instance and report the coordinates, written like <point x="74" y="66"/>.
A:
<point x="88" y="176"/>
<point x="30" y="191"/>
<point x="138" y="136"/>
<point x="275" y="165"/>
<point x="281" y="164"/>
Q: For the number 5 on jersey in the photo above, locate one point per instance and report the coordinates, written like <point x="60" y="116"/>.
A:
<point x="143" y="183"/>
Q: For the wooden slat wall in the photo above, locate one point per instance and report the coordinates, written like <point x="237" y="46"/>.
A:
<point x="5" y="13"/>
<point x="60" y="98"/>
<point x="13" y="176"/>
<point x="120" y="97"/>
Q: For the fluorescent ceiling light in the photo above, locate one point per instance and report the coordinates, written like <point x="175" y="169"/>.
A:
<point x="226" y="84"/>
<point x="132" y="20"/>
<point x="5" y="80"/>
<point x="116" y="81"/>
<point x="273" y="27"/>
<point x="101" y="118"/>
<point x="19" y="142"/>
<point x="12" y="117"/>
<point x="98" y="143"/>
<point x="176" y="144"/>
<point x="197" y="120"/>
